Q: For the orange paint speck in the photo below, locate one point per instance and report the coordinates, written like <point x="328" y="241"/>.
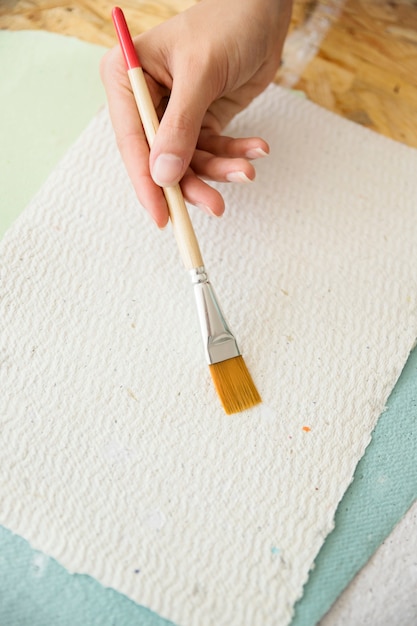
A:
<point x="306" y="429"/>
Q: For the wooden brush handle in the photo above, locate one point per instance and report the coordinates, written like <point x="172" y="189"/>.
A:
<point x="181" y="223"/>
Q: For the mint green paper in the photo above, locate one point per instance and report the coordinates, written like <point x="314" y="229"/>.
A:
<point x="50" y="90"/>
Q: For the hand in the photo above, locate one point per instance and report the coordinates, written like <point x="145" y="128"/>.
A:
<point x="202" y="66"/>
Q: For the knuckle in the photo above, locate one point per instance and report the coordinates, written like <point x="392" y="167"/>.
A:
<point x="109" y="66"/>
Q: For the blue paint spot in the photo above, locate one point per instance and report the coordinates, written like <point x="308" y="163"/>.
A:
<point x="275" y="551"/>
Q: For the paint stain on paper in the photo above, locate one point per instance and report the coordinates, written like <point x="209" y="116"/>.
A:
<point x="131" y="394"/>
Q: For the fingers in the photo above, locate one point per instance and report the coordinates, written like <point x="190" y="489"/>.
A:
<point x="221" y="145"/>
<point x="203" y="66"/>
<point x="201" y="195"/>
<point x="217" y="157"/>
<point x="135" y="151"/>
<point x="178" y="133"/>
<point x="226" y="159"/>
<point x="222" y="169"/>
<point x="222" y="159"/>
<point x="130" y="137"/>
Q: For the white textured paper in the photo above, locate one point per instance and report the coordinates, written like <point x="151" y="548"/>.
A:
<point x="117" y="458"/>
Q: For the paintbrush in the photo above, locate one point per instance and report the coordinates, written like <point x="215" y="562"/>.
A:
<point x="231" y="377"/>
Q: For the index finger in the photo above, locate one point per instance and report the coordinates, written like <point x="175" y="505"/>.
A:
<point x="130" y="137"/>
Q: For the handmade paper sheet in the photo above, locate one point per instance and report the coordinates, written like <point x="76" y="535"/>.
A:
<point x="118" y="459"/>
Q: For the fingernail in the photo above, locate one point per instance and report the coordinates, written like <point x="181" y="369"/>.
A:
<point x="237" y="177"/>
<point x="256" y="153"/>
<point x="167" y="169"/>
<point x="206" y="209"/>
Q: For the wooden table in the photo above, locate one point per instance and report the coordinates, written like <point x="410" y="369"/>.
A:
<point x="357" y="58"/>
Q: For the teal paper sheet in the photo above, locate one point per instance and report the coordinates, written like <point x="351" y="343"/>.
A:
<point x="34" y="589"/>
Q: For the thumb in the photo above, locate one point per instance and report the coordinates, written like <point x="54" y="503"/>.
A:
<point x="178" y="133"/>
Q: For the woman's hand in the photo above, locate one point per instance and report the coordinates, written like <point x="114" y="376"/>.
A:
<point x="203" y="66"/>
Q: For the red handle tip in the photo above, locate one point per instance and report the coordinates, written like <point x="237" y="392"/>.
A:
<point x="125" y="40"/>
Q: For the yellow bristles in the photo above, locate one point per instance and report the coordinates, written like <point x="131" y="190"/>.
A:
<point x="234" y="385"/>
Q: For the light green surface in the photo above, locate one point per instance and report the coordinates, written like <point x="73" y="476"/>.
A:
<point x="49" y="90"/>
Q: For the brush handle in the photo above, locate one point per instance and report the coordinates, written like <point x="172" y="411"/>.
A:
<point x="181" y="223"/>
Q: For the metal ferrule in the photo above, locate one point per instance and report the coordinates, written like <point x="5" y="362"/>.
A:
<point x="219" y="342"/>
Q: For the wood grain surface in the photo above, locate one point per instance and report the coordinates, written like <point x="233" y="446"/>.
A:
<point x="357" y="58"/>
